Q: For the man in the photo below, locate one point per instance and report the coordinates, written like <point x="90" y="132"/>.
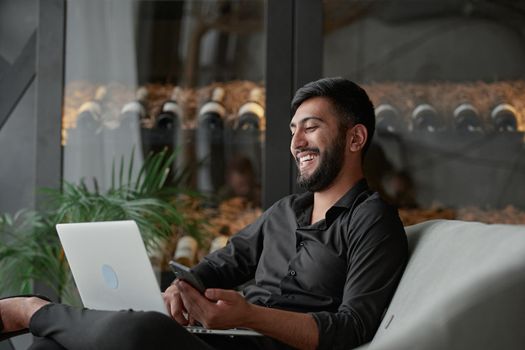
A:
<point x="325" y="263"/>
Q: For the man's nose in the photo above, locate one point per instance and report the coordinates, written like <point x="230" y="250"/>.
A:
<point x="298" y="141"/>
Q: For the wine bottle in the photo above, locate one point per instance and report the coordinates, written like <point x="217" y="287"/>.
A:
<point x="123" y="136"/>
<point x="210" y="143"/>
<point x="389" y="119"/>
<point x="467" y="118"/>
<point x="90" y="113"/>
<point x="170" y="113"/>
<point x="248" y="131"/>
<point x="186" y="251"/>
<point x="504" y="117"/>
<point x="135" y="111"/>
<point x="426" y="118"/>
<point x="212" y="113"/>
<point x="218" y="243"/>
<point x="251" y="113"/>
<point x="85" y="144"/>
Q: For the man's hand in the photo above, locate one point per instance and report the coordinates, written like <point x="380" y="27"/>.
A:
<point x="222" y="309"/>
<point x="172" y="299"/>
<point x="218" y="308"/>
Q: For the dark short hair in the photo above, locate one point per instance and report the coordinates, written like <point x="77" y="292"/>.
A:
<point x="350" y="101"/>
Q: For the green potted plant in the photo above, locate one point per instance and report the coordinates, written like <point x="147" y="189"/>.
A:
<point x="29" y="246"/>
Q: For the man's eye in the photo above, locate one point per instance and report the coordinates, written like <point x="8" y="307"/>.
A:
<point x="311" y="128"/>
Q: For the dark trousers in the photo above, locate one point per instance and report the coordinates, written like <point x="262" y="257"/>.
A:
<point x="65" y="327"/>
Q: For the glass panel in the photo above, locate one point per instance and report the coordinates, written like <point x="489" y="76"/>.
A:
<point x="447" y="80"/>
<point x="18" y="25"/>
<point x="186" y="76"/>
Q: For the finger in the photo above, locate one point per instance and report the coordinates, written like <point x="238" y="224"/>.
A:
<point x="225" y="295"/>
<point x="177" y="311"/>
<point x="169" y="294"/>
<point x="174" y="305"/>
<point x="193" y="301"/>
<point x="172" y="289"/>
<point x="167" y="300"/>
<point x="190" y="292"/>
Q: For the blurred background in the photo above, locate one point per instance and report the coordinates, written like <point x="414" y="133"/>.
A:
<point x="91" y="89"/>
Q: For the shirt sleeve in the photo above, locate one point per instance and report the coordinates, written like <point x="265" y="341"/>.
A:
<point x="376" y="257"/>
<point x="236" y="263"/>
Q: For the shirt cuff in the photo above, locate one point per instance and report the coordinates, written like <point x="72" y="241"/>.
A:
<point x="336" y="331"/>
<point x="324" y="324"/>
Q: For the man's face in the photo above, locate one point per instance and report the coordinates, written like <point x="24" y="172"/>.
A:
<point x="318" y="144"/>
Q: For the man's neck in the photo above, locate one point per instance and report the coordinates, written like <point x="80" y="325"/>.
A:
<point x="325" y="199"/>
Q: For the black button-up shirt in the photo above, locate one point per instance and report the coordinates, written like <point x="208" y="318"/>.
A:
<point x="343" y="269"/>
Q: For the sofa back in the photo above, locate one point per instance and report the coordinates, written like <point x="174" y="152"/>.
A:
<point x="463" y="288"/>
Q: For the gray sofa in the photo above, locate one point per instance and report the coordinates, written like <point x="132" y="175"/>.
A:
<point x="463" y="288"/>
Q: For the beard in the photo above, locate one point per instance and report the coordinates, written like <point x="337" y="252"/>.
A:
<point x="330" y="164"/>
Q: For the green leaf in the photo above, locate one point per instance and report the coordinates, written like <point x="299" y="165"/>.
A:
<point x="30" y="249"/>
<point x="130" y="166"/>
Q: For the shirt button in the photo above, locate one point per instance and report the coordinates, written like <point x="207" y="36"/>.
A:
<point x="292" y="273"/>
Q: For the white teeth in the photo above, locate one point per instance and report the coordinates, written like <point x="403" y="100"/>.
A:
<point x="307" y="158"/>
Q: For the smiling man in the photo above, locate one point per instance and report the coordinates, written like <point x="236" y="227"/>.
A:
<point x="324" y="263"/>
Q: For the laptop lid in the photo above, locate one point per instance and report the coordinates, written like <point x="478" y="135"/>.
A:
<point x="112" y="270"/>
<point x="110" y="266"/>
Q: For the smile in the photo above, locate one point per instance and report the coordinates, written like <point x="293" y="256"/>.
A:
<point x="305" y="158"/>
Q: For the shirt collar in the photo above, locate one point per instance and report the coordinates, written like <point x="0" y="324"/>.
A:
<point x="303" y="205"/>
<point x="348" y="199"/>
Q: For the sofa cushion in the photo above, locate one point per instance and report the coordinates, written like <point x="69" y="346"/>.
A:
<point x="463" y="288"/>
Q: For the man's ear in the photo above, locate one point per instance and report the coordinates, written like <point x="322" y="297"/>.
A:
<point x="357" y="137"/>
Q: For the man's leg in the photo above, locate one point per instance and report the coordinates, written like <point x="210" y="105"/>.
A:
<point x="75" y="328"/>
<point x="243" y="342"/>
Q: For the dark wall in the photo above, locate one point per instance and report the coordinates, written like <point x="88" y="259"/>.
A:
<point x="17" y="151"/>
<point x="18" y="20"/>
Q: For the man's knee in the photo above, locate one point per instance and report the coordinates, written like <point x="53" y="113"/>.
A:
<point x="139" y="330"/>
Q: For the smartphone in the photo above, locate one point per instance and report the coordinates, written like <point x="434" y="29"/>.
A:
<point x="184" y="273"/>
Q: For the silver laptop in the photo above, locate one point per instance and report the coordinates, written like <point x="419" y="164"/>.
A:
<point x="112" y="270"/>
